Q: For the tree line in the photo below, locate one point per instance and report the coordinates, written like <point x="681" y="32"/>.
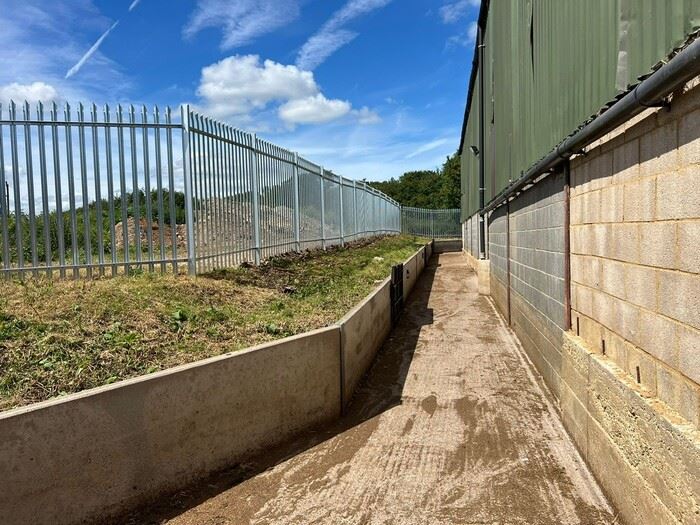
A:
<point x="435" y="189"/>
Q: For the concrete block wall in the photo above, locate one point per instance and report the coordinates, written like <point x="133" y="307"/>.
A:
<point x="635" y="251"/>
<point x="498" y="255"/>
<point x="537" y="274"/>
<point x="646" y="458"/>
<point x="627" y="375"/>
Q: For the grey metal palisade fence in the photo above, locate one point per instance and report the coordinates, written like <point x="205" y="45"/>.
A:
<point x="104" y="192"/>
<point x="433" y="224"/>
<point x="109" y="191"/>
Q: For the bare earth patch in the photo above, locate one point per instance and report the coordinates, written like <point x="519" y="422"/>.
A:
<point x="60" y="337"/>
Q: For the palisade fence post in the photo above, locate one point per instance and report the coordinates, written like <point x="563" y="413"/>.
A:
<point x="256" y="198"/>
<point x="342" y="227"/>
<point x="297" y="211"/>
<point x="323" y="213"/>
<point x="187" y="174"/>
<point x="354" y="204"/>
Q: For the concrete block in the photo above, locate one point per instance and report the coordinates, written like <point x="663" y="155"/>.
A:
<point x="603" y="309"/>
<point x="615" y="348"/>
<point x="688" y="252"/>
<point x="641" y="286"/>
<point x="676" y="197"/>
<point x="578" y="238"/>
<point x="640" y="200"/>
<point x="627" y="490"/>
<point x="625" y="320"/>
<point x="678" y="393"/>
<point x="592" y="271"/>
<point x="601" y="239"/>
<point x="613" y="277"/>
<point x="623" y="242"/>
<point x="658" y="337"/>
<point x="584" y="299"/>
<point x="641" y="125"/>
<point x="626" y="162"/>
<point x="575" y="417"/>
<point x="679" y="296"/>
<point x="574" y="368"/>
<point x="577" y="209"/>
<point x="657" y="244"/>
<point x="576" y="268"/>
<point x="591" y="204"/>
<point x="658" y="150"/>
<point x="483" y="270"/>
<point x="641" y="367"/>
<point x="590" y="330"/>
<point x="600" y="171"/>
<point x="689" y="352"/>
<point x="91" y="455"/>
<point x="362" y="333"/>
<point x="611" y="203"/>
<point x="689" y="138"/>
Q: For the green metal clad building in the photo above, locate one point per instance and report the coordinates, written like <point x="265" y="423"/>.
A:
<point x="550" y="66"/>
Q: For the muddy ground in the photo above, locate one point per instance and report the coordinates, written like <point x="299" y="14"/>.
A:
<point x="451" y="426"/>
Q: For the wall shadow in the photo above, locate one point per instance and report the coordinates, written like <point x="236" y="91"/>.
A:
<point x="380" y="390"/>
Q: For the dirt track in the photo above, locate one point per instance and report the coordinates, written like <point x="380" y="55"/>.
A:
<point x="450" y="426"/>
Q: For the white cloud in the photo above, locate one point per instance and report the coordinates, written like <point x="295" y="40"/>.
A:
<point x="72" y="71"/>
<point x="455" y="11"/>
<point x="134" y="4"/>
<point x="247" y="92"/>
<point x="32" y="93"/>
<point x="332" y="36"/>
<point x="241" y="21"/>
<point x="367" y="116"/>
<point x="466" y="39"/>
<point x="430" y="146"/>
<point x="239" y="84"/>
<point x="313" y="110"/>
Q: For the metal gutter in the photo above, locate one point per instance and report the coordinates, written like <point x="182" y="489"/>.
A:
<point x="649" y="93"/>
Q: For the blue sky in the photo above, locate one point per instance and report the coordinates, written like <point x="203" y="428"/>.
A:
<point x="368" y="88"/>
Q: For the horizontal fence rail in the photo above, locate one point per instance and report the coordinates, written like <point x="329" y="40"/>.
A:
<point x="433" y="224"/>
<point x="88" y="191"/>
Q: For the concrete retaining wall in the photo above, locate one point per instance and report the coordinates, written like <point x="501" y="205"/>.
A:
<point x="410" y="275"/>
<point x="110" y="449"/>
<point x="363" y="332"/>
<point x="106" y="451"/>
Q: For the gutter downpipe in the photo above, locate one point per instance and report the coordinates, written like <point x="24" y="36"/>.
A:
<point x="567" y="246"/>
<point x="482" y="184"/>
<point x="649" y="93"/>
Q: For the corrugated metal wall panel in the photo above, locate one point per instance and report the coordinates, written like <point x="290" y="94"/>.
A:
<point x="552" y="64"/>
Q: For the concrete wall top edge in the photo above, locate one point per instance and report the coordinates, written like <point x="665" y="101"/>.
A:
<point x="162" y="373"/>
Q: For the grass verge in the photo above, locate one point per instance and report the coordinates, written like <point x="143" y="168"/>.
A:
<point x="60" y="337"/>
